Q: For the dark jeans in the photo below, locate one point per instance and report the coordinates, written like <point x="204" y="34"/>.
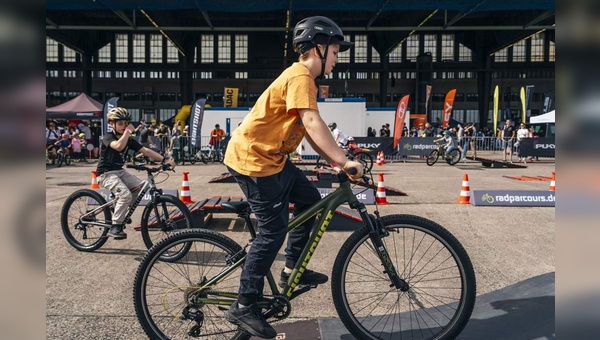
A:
<point x="269" y="198"/>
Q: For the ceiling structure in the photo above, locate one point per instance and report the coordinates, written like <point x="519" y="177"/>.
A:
<point x="87" y="25"/>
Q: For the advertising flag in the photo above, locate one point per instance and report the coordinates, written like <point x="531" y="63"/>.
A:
<point x="448" y="103"/>
<point x="428" y="95"/>
<point x="197" y="112"/>
<point x="231" y="97"/>
<point x="495" y="112"/>
<point x="112" y="102"/>
<point x="523" y="106"/>
<point x="400" y="117"/>
<point x="323" y="91"/>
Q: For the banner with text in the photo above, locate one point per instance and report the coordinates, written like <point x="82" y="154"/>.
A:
<point x="365" y="196"/>
<point x="197" y="112"/>
<point x="400" y="116"/>
<point x="515" y="198"/>
<point x="417" y="146"/>
<point x="448" y="104"/>
<point x="112" y="102"/>
<point x="495" y="110"/>
<point x="537" y="147"/>
<point x="375" y="144"/>
<point x="231" y="97"/>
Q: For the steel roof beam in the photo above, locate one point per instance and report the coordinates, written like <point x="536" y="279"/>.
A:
<point x="539" y="18"/>
<point x="282" y="29"/>
<point x="124" y="17"/>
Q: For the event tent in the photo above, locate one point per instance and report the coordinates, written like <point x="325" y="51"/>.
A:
<point x="547" y="117"/>
<point x="80" y="107"/>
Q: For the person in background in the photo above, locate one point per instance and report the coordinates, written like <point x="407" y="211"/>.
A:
<point x="96" y="134"/>
<point x="388" y="133"/>
<point x="76" y="146"/>
<point x="450" y="143"/>
<point x="371" y="132"/>
<point x="508" y="135"/>
<point x="85" y="128"/>
<point x="522" y="133"/>
<point x="216" y="136"/>
<point x="256" y="156"/>
<point x="338" y="135"/>
<point x="382" y="132"/>
<point x="111" y="175"/>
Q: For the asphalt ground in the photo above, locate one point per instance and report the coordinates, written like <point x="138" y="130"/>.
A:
<point x="89" y="295"/>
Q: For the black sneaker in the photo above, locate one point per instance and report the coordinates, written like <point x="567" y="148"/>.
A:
<point x="309" y="277"/>
<point x="116" y="231"/>
<point x="250" y="320"/>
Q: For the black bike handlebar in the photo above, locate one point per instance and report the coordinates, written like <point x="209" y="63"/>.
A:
<point x="142" y="167"/>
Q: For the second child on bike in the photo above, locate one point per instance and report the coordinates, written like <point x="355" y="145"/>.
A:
<point x="113" y="149"/>
<point x="284" y="114"/>
<point x="450" y="143"/>
<point x="340" y="137"/>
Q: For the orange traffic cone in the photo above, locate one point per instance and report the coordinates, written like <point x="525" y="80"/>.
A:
<point x="94" y="180"/>
<point x="465" y="191"/>
<point x="553" y="182"/>
<point x="380" y="195"/>
<point x="382" y="158"/>
<point x="185" y="196"/>
<point x="379" y="163"/>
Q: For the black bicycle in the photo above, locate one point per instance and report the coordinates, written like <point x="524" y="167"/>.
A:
<point x="361" y="155"/>
<point x="396" y="277"/>
<point x="452" y="158"/>
<point x="86" y="216"/>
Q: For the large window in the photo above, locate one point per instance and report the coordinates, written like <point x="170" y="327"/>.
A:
<point x="51" y="50"/>
<point x="448" y="47"/>
<point x="551" y="56"/>
<point x="430" y="45"/>
<point x="104" y="53"/>
<point x="375" y="56"/>
<point x="518" y="50"/>
<point x="412" y="48"/>
<point x="360" y="49"/>
<point x="396" y="54"/>
<point x="537" y="47"/>
<point x="344" y="57"/>
<point x="156" y="48"/>
<point x="501" y="56"/>
<point x="241" y="48"/>
<point x="241" y="75"/>
<point x="224" y="49"/>
<point x="69" y="55"/>
<point x="207" y="49"/>
<point x="464" y="53"/>
<point x="121" y="48"/>
<point x="172" y="54"/>
<point x="139" y="48"/>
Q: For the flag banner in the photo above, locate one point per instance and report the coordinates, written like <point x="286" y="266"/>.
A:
<point x="323" y="91"/>
<point x="528" y="95"/>
<point x="523" y="106"/>
<point x="196" y="121"/>
<point x="427" y="96"/>
<point x="448" y="103"/>
<point x="231" y="97"/>
<point x="400" y="117"/>
<point x="495" y="112"/>
<point x="112" y="102"/>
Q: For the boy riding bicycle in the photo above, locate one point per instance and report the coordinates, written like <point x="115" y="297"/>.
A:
<point x="256" y="156"/>
<point x="450" y="143"/>
<point x="114" y="147"/>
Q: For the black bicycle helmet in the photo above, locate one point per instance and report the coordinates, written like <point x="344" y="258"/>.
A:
<point x="118" y="113"/>
<point x="312" y="31"/>
<point x="332" y="125"/>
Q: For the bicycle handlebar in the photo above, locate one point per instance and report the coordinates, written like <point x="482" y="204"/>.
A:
<point x="142" y="167"/>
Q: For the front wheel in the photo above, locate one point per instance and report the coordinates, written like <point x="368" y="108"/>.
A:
<point x="67" y="159"/>
<point x="79" y="228"/>
<point x="170" y="298"/>
<point x="60" y="158"/>
<point x="437" y="269"/>
<point x="432" y="157"/>
<point x="165" y="216"/>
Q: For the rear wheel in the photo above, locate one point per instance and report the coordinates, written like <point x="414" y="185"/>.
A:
<point x="432" y="157"/>
<point x="437" y="269"/>
<point x="169" y="300"/>
<point x="78" y="230"/>
<point x="163" y="218"/>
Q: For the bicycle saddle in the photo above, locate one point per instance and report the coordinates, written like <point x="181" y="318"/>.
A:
<point x="238" y="207"/>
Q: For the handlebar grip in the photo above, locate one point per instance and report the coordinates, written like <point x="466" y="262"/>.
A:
<point x="353" y="171"/>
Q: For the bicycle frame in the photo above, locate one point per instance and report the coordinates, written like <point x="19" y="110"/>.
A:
<point x="143" y="187"/>
<point x="326" y="207"/>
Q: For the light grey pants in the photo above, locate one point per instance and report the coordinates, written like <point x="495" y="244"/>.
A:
<point x="119" y="182"/>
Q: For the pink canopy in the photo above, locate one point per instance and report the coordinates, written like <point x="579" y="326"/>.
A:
<point x="79" y="107"/>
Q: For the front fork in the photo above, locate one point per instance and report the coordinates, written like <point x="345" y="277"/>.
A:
<point x="377" y="231"/>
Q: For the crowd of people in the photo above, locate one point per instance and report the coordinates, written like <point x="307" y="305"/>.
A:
<point x="74" y="137"/>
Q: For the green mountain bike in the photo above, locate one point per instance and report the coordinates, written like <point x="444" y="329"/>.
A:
<point x="396" y="277"/>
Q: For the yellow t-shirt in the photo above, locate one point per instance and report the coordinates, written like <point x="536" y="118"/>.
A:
<point x="259" y="146"/>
